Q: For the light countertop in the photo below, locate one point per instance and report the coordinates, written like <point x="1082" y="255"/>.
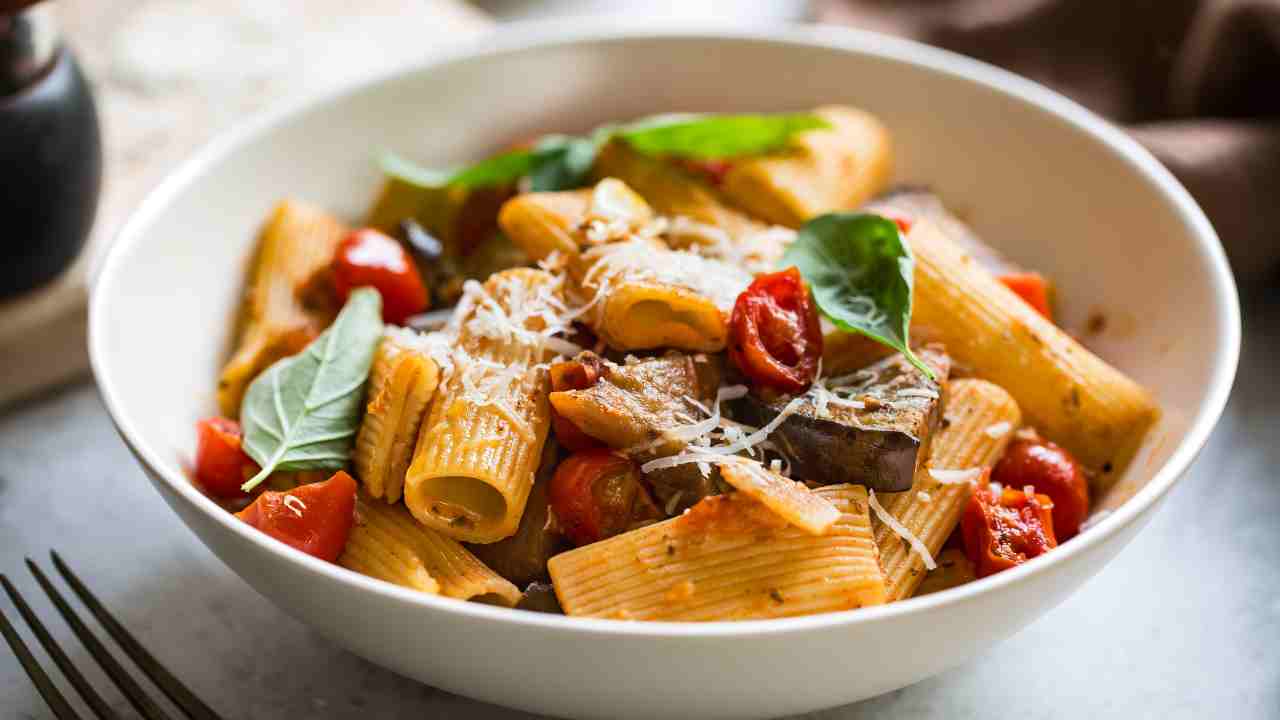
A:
<point x="1184" y="624"/>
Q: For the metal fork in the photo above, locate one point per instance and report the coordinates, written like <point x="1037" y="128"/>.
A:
<point x="191" y="705"/>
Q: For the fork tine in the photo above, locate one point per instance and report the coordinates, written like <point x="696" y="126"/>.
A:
<point x="193" y="706"/>
<point x="69" y="670"/>
<point x="43" y="684"/>
<point x="137" y="697"/>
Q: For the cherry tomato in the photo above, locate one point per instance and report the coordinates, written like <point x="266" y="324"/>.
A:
<point x="774" y="334"/>
<point x="596" y="494"/>
<point x="221" y="466"/>
<point x="315" y="518"/>
<point x="1004" y="531"/>
<point x="1054" y="472"/>
<point x="577" y="374"/>
<point x="1031" y="287"/>
<point x="367" y="257"/>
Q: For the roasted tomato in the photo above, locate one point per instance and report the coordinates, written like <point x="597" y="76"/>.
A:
<point x="221" y="466"/>
<point x="596" y="494"/>
<point x="774" y="334"/>
<point x="1006" y="530"/>
<point x="1031" y="287"/>
<point x="367" y="257"/>
<point x="1052" y="471"/>
<point x="315" y="518"/>
<point x="578" y="374"/>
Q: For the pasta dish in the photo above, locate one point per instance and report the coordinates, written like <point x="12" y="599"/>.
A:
<point x="688" y="367"/>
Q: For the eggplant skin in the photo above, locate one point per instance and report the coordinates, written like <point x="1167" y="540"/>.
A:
<point x="881" y="447"/>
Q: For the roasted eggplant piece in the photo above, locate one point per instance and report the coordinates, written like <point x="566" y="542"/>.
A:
<point x="634" y="402"/>
<point x="876" y="432"/>
<point x="632" y="405"/>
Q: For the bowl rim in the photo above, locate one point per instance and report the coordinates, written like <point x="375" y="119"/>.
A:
<point x="540" y="35"/>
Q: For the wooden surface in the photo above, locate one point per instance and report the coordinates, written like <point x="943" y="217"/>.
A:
<point x="170" y="75"/>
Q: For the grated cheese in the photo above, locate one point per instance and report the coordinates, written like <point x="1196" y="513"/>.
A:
<point x="901" y="530"/>
<point x="955" y="477"/>
<point x="710" y="453"/>
<point x="924" y="497"/>
<point x="918" y="392"/>
<point x="998" y="430"/>
<point x="290" y="501"/>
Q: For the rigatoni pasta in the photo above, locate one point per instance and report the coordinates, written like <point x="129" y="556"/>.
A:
<point x="285" y="307"/>
<point x="960" y="453"/>
<point x="388" y="544"/>
<point x="1073" y="396"/>
<point x="839" y="167"/>
<point x="647" y="296"/>
<point x="482" y="438"/>
<point x="401" y="384"/>
<point x="727" y="559"/>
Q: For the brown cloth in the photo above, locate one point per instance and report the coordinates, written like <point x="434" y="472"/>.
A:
<point x="1195" y="81"/>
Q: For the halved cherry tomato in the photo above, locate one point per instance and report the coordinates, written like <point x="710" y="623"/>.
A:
<point x="1054" y="472"/>
<point x="596" y="494"/>
<point x="1006" y="530"/>
<point x="774" y="333"/>
<point x="713" y="171"/>
<point x="221" y="466"/>
<point x="315" y="518"/>
<point x="367" y="257"/>
<point x="578" y="374"/>
<point x="1031" y="287"/>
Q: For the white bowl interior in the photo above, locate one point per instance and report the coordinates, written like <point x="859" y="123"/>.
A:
<point x="1042" y="180"/>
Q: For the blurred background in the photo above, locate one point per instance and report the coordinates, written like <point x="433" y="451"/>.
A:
<point x="1184" y="624"/>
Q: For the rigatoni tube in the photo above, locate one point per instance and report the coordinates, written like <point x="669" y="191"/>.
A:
<point x="931" y="509"/>
<point x="286" y="306"/>
<point x="388" y="544"/>
<point x="729" y="558"/>
<point x="482" y="438"/>
<point x="1071" y="395"/>
<point x="401" y="383"/>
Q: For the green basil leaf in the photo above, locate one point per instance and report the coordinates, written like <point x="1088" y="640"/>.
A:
<point x="302" y="413"/>
<point x="716" y="136"/>
<point x="562" y="162"/>
<point x="860" y="272"/>
<point x="497" y="170"/>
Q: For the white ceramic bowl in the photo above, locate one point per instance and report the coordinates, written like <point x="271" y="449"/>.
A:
<point x="1041" y="178"/>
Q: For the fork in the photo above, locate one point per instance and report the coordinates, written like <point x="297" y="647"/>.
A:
<point x="183" y="698"/>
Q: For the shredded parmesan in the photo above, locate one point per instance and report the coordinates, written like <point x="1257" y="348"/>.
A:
<point x="955" y="477"/>
<point x="901" y="530"/>
<point x="998" y="430"/>
<point x="711" y="453"/>
<point x="295" y="504"/>
<point x="924" y="497"/>
<point x="918" y="392"/>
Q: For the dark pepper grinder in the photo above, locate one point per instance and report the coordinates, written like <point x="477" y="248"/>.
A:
<point x="50" y="150"/>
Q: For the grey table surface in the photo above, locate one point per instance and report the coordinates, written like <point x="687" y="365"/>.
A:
<point x="1184" y="624"/>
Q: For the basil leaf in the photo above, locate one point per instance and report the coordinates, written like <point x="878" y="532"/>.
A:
<point x="861" y="272"/>
<point x="716" y="136"/>
<point x="497" y="170"/>
<point x="563" y="162"/>
<point x="302" y="413"/>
